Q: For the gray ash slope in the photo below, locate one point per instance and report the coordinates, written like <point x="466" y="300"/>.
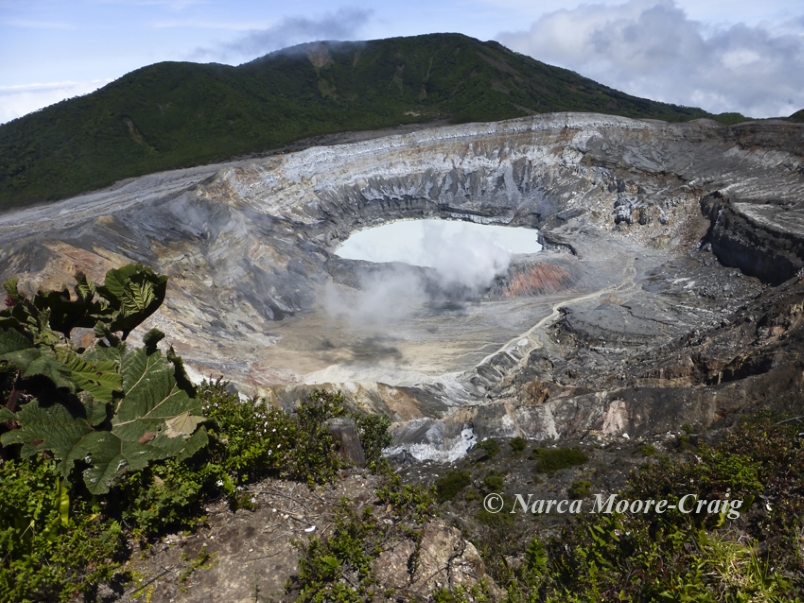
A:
<point x="668" y="292"/>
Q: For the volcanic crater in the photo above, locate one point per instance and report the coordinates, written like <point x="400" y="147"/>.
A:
<point x="668" y="291"/>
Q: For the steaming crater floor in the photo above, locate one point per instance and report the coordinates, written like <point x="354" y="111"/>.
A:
<point x="397" y="323"/>
<point x="426" y="338"/>
<point x="411" y="332"/>
<point x="630" y="321"/>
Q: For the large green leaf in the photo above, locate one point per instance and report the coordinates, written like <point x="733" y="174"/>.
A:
<point x="151" y="395"/>
<point x="100" y="378"/>
<point x="47" y="365"/>
<point x="17" y="349"/>
<point x="134" y="292"/>
<point x="31" y="361"/>
<point x="155" y="419"/>
<point x="97" y="412"/>
<point x="104" y="353"/>
<point x="84" y="288"/>
<point x="183" y="425"/>
<point x="66" y="314"/>
<point x="53" y="427"/>
<point x="182" y="448"/>
<point x="25" y="316"/>
<point x="114" y="287"/>
<point x="111" y="455"/>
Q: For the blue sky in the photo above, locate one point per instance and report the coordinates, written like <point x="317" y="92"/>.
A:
<point x="722" y="56"/>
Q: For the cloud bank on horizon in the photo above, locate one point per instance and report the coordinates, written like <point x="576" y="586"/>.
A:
<point x="16" y="101"/>
<point x="650" y="48"/>
<point x="647" y="48"/>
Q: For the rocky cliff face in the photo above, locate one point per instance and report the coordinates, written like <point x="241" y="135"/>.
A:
<point x="660" y="239"/>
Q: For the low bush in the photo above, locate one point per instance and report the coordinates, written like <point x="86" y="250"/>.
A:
<point x="412" y="502"/>
<point x="57" y="539"/>
<point x="350" y="549"/>
<point x="550" y="460"/>
<point x="374" y="436"/>
<point x="579" y="489"/>
<point x="648" y="450"/>
<point x="490" y="447"/>
<point x="517" y="444"/>
<point x="493" y="482"/>
<point x="453" y="482"/>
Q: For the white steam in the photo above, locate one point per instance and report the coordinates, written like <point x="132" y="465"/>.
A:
<point x="384" y="297"/>
<point x="464" y="259"/>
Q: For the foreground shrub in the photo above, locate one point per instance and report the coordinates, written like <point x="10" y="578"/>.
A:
<point x="52" y="545"/>
<point x="249" y="441"/>
<point x="47" y="559"/>
<point x="704" y="556"/>
<point x="131" y="422"/>
<point x="110" y="407"/>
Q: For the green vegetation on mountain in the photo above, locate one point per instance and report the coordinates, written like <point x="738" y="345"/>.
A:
<point x="798" y="116"/>
<point x="172" y="115"/>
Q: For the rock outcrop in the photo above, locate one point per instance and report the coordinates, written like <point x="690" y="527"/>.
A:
<point x="253" y="556"/>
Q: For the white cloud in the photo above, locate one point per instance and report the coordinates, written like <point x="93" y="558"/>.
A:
<point x="651" y="48"/>
<point x="341" y="25"/>
<point x="16" y="101"/>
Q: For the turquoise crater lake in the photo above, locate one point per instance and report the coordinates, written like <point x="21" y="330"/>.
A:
<point x="436" y="243"/>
